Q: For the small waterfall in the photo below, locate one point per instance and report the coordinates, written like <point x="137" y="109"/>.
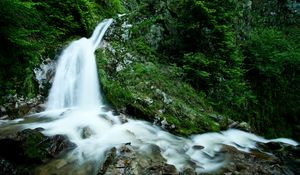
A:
<point x="76" y="80"/>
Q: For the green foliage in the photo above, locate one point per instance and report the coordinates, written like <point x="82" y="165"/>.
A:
<point x="32" y="29"/>
<point x="148" y="90"/>
<point x="273" y="64"/>
<point x="276" y="13"/>
<point x="34" y="147"/>
<point x="200" y="38"/>
<point x="109" y="8"/>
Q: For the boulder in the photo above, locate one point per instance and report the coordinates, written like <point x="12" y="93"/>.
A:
<point x="258" y="162"/>
<point x="86" y="132"/>
<point x="129" y="161"/>
<point x="31" y="146"/>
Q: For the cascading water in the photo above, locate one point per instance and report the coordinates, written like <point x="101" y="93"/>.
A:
<point x="75" y="90"/>
<point x="76" y="80"/>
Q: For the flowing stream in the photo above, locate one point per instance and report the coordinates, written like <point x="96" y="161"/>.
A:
<point x="75" y="105"/>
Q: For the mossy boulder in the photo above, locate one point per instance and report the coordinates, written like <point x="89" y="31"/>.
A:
<point x="30" y="146"/>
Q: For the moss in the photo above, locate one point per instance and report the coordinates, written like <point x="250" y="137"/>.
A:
<point x="34" y="145"/>
<point x="148" y="90"/>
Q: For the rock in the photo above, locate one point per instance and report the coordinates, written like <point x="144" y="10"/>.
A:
<point x="86" y="132"/>
<point x="164" y="123"/>
<point x="61" y="163"/>
<point x="2" y="109"/>
<point x="17" y="107"/>
<point x="188" y="171"/>
<point x="233" y="125"/>
<point x="59" y="144"/>
<point x="162" y="169"/>
<point x="257" y="162"/>
<point x="38" y="108"/>
<point x="45" y="72"/>
<point x="244" y="126"/>
<point x="4" y="117"/>
<point x="123" y="118"/>
<point x="105" y="108"/>
<point x="108" y="160"/>
<point x="129" y="161"/>
<point x="31" y="146"/>
<point x="198" y="147"/>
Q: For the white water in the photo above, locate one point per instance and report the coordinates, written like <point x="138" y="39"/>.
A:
<point x="76" y="80"/>
<point x="75" y="103"/>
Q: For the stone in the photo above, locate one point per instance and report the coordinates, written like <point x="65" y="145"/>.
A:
<point x="284" y="160"/>
<point x="244" y="126"/>
<point x="59" y="144"/>
<point x="108" y="160"/>
<point x="86" y="132"/>
<point x="163" y="169"/>
<point x="123" y="118"/>
<point x="129" y="161"/>
<point x="61" y="163"/>
<point x="31" y="146"/>
<point x="4" y="117"/>
<point x="233" y="125"/>
<point x="2" y="109"/>
<point x="198" y="147"/>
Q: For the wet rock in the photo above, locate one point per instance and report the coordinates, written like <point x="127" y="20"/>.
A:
<point x="130" y="161"/>
<point x="61" y="163"/>
<point x="258" y="162"/>
<point x="86" y="132"/>
<point x="31" y="146"/>
<point x="4" y="117"/>
<point x="240" y="125"/>
<point x="59" y="144"/>
<point x="123" y="118"/>
<point x="105" y="108"/>
<point x="17" y="106"/>
<point x="162" y="169"/>
<point x="108" y="160"/>
<point x="244" y="126"/>
<point x="188" y="171"/>
<point x="288" y="155"/>
<point x="2" y="109"/>
<point x="44" y="73"/>
<point x="36" y="109"/>
<point x="198" y="147"/>
<point x="233" y="125"/>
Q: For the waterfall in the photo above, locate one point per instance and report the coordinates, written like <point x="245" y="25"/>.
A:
<point x="76" y="82"/>
<point x="76" y="88"/>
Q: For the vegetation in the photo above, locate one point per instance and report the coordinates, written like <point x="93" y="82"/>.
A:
<point x="182" y="61"/>
<point x="32" y="29"/>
